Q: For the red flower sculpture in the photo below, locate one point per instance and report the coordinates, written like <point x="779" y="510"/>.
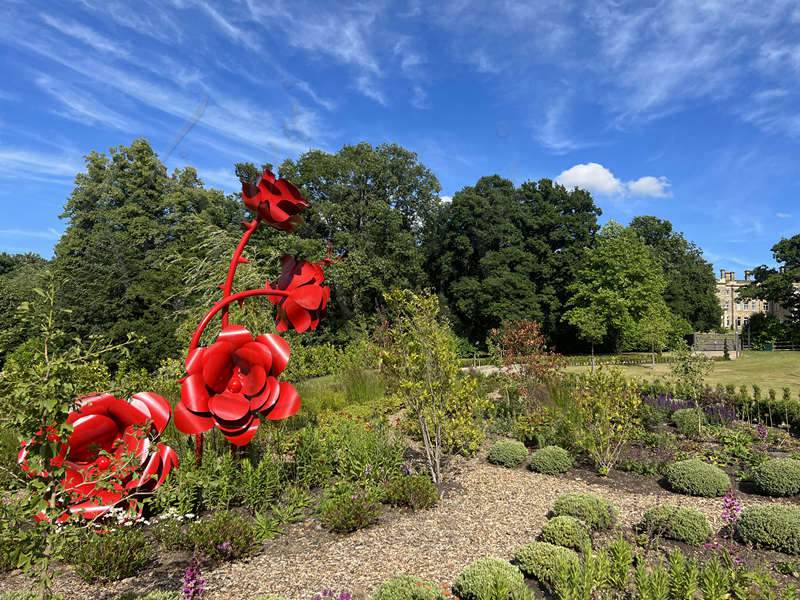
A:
<point x="275" y="201"/>
<point x="307" y="299"/>
<point x="112" y="455"/>
<point x="233" y="382"/>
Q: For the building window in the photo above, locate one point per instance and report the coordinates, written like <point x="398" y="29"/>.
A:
<point x="738" y="321"/>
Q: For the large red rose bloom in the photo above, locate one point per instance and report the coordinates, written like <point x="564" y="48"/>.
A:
<point x="308" y="298"/>
<point x="233" y="383"/>
<point x="275" y="201"/>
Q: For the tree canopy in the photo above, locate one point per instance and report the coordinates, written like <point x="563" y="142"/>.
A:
<point x="781" y="284"/>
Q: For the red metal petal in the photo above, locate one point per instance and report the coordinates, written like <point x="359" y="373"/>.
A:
<point x="298" y="316"/>
<point x="244" y="438"/>
<point x="235" y="335"/>
<point x="308" y="296"/>
<point x="194" y="394"/>
<point x="190" y="423"/>
<point x="279" y="348"/>
<point x="253" y="381"/>
<point x="169" y="461"/>
<point x="101" y="503"/>
<point x="156" y="406"/>
<point x="228" y="406"/>
<point x="194" y="361"/>
<point x="91" y="433"/>
<point x="288" y="403"/>
<point x="133" y="451"/>
<point x="148" y="474"/>
<point x="218" y="365"/>
<point x="267" y="397"/>
<point x="254" y="353"/>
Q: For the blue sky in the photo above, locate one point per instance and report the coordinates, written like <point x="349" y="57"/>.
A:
<point x="684" y="109"/>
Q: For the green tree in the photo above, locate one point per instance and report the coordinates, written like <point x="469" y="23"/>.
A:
<point x="616" y="286"/>
<point x="20" y="274"/>
<point x="690" y="290"/>
<point x="781" y="284"/>
<point x="126" y="216"/>
<point x="503" y="253"/>
<point x="654" y="328"/>
<point x="374" y="202"/>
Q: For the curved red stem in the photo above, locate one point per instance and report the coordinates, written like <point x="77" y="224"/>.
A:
<point x="224" y="303"/>
<point x="236" y="261"/>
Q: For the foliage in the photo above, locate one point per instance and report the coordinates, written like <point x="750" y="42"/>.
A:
<point x="347" y="507"/>
<point x="777" y="284"/>
<point x="407" y="587"/>
<point x="617" y="286"/>
<point x="697" y="478"/>
<point x="491" y="579"/>
<point x="111" y="556"/>
<point x="690" y="422"/>
<point x="310" y="361"/>
<point x="690" y="292"/>
<point x="676" y="523"/>
<point x="566" y="531"/>
<point x="223" y="535"/>
<point x="777" y="477"/>
<point x="540" y="560"/>
<point x="20" y="274"/>
<point x="551" y="460"/>
<point x="414" y="491"/>
<point x="584" y="578"/>
<point x="689" y="372"/>
<point x="600" y="415"/>
<point x="503" y="253"/>
<point x="771" y="526"/>
<point x="422" y="368"/>
<point x="597" y="513"/>
<point x="507" y="453"/>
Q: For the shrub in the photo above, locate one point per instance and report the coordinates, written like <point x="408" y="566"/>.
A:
<point x="347" y="507"/>
<point x="566" y="531"/>
<point x="224" y="535"/>
<point x="697" y="478"/>
<point x="415" y="491"/>
<point x="594" y="511"/>
<point x="776" y="527"/>
<point x="676" y="523"/>
<point x="777" y="477"/>
<point x="155" y="595"/>
<point x="507" y="453"/>
<point x="111" y="556"/>
<point x="551" y="460"/>
<point x="690" y="421"/>
<point x="491" y="579"/>
<point x="406" y="587"/>
<point x="540" y="560"/>
<point x="171" y="534"/>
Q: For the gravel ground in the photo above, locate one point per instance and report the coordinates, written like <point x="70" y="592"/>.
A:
<point x="487" y="510"/>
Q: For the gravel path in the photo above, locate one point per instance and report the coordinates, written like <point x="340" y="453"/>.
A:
<point x="489" y="510"/>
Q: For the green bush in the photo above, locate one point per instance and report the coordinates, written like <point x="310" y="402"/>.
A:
<point x="777" y="477"/>
<point x="551" y="460"/>
<point x="594" y="511"/>
<point x="697" y="478"/>
<point x="415" y="491"/>
<point x="676" y="523"/>
<point x="507" y="453"/>
<point x="406" y="587"/>
<point x="171" y="534"/>
<point x="690" y="421"/>
<point x="776" y="527"/>
<point x="348" y="507"/>
<point x="225" y="535"/>
<point x="156" y="595"/>
<point x="111" y="556"/>
<point x="491" y="579"/>
<point x="541" y="560"/>
<point x="566" y="531"/>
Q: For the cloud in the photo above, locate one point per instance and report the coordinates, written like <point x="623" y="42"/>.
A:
<point x="44" y="234"/>
<point x="783" y="215"/>
<point x="84" y="34"/>
<point x="238" y="35"/>
<point x="599" y="180"/>
<point x="551" y="132"/>
<point x="81" y="107"/>
<point x="419" y="99"/>
<point x="19" y="163"/>
<point x="654" y="187"/>
<point x="593" y="177"/>
<point x="367" y="86"/>
<point x="446" y="199"/>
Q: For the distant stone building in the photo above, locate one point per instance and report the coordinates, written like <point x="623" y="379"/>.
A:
<point x="736" y="313"/>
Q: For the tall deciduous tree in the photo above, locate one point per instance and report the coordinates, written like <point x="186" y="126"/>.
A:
<point x="126" y="217"/>
<point x="779" y="285"/>
<point x="690" y="290"/>
<point x="20" y="274"/>
<point x="500" y="253"/>
<point x="374" y="202"/>
<point x="617" y="286"/>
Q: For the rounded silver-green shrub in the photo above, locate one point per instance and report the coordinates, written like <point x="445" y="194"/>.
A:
<point x="551" y="460"/>
<point x="777" y="477"/>
<point x="566" y="531"/>
<point x="690" y="421"/>
<point x="482" y="579"/>
<point x="541" y="560"/>
<point x="676" y="523"/>
<point x="594" y="511"/>
<point x="407" y="587"/>
<point x="508" y="453"/>
<point x="776" y="527"/>
<point x="694" y="477"/>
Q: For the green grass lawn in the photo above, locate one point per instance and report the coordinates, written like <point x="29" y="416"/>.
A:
<point x="766" y="369"/>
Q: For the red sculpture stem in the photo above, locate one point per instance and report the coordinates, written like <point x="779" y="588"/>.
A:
<point x="236" y="261"/>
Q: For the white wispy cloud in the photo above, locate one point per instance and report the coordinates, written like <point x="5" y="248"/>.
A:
<point x="783" y="215"/>
<point x="599" y="180"/>
<point x="368" y="87"/>
<point x="240" y="36"/>
<point x="18" y="163"/>
<point x="82" y="107"/>
<point x="84" y="34"/>
<point x="550" y="131"/>
<point x="44" y="234"/>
